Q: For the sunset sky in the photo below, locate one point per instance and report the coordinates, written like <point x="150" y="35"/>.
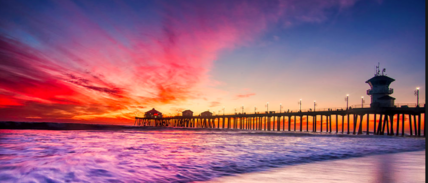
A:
<point x="106" y="61"/>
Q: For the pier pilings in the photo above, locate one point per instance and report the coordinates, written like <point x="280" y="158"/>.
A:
<point x="391" y="120"/>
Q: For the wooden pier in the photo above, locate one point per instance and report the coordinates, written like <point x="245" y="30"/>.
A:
<point x="389" y="121"/>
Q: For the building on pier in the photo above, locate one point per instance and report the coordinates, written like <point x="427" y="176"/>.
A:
<point x="153" y="114"/>
<point x="206" y="114"/>
<point x="380" y="91"/>
<point x="188" y="113"/>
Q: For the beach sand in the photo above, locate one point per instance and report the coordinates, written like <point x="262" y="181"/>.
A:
<point x="387" y="168"/>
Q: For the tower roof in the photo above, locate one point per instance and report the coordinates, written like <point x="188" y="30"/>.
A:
<point x="378" y="79"/>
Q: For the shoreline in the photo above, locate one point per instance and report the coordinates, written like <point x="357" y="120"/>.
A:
<point x="11" y="125"/>
<point x="383" y="168"/>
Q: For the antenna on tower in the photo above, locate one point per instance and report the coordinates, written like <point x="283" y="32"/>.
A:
<point x="377" y="69"/>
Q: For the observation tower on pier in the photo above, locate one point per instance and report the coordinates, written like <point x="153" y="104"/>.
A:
<point x="379" y="90"/>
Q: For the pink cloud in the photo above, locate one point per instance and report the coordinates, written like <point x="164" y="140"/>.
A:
<point x="91" y="60"/>
<point x="245" y="95"/>
<point x="215" y="104"/>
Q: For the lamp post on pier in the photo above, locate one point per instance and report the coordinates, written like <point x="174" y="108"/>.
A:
<point x="235" y="110"/>
<point x="417" y="96"/>
<point x="254" y="110"/>
<point x="223" y="110"/>
<point x="315" y="104"/>
<point x="346" y="99"/>
<point x="267" y="107"/>
<point x="300" y="103"/>
<point x="280" y="107"/>
<point x="362" y="101"/>
<point x="242" y="109"/>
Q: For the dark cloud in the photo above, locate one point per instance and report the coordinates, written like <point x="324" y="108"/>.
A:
<point x="86" y="83"/>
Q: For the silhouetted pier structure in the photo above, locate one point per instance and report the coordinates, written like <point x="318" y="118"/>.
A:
<point x="390" y="121"/>
<point x="385" y="115"/>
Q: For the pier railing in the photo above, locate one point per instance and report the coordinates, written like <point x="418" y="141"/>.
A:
<point x="356" y="106"/>
<point x="398" y="105"/>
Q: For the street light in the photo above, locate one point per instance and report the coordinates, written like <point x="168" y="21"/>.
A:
<point x="267" y="107"/>
<point x="280" y="107"/>
<point x="417" y="96"/>
<point x="300" y="103"/>
<point x="254" y="110"/>
<point x="242" y="109"/>
<point x="315" y="104"/>
<point x="223" y="110"/>
<point x="362" y="101"/>
<point x="346" y="99"/>
<point x="235" y="110"/>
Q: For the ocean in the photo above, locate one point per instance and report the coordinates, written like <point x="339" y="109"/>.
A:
<point x="179" y="155"/>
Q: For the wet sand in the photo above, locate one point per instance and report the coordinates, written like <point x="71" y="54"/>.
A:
<point x="388" y="168"/>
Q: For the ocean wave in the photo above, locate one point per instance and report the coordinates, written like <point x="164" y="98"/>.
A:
<point x="159" y="155"/>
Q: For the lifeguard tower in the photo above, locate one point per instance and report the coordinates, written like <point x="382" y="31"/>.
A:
<point x="379" y="90"/>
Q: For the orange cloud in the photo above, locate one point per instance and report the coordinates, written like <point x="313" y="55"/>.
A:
<point x="245" y="95"/>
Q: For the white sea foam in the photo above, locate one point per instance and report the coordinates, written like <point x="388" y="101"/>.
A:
<point x="171" y="155"/>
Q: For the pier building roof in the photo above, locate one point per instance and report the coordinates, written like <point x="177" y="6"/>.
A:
<point x="153" y="111"/>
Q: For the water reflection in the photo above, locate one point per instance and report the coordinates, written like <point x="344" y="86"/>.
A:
<point x="390" y="168"/>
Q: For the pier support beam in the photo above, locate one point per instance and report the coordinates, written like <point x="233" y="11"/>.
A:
<point x="337" y="124"/>
<point x="414" y="122"/>
<point x="343" y="124"/>
<point x="355" y="123"/>
<point x="307" y="123"/>
<point x="348" y="124"/>
<point x="321" y="124"/>
<point x="314" y="124"/>
<point x="379" y="127"/>
<point x="410" y="124"/>
<point x="391" y="119"/>
<point x="419" y="124"/>
<point x="360" y="129"/>
<point x="282" y="123"/>
<point x="295" y="123"/>
<point x="368" y="124"/>
<point x="374" y="124"/>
